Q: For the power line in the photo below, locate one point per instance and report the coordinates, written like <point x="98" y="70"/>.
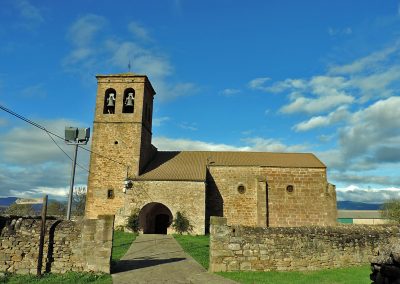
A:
<point x="54" y="134"/>
<point x="82" y="167"/>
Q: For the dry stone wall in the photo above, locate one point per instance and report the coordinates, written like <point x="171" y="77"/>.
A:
<point x="69" y="246"/>
<point x="239" y="248"/>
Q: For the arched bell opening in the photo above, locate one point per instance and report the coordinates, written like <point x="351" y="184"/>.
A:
<point x="109" y="101"/>
<point x="128" y="105"/>
<point x="155" y="218"/>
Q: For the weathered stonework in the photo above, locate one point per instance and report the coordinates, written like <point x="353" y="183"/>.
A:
<point x="69" y="246"/>
<point x="174" y="195"/>
<point x="266" y="201"/>
<point x="240" y="248"/>
<point x="250" y="189"/>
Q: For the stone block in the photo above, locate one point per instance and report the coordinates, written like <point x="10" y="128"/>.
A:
<point x="234" y="246"/>
<point x="221" y="221"/>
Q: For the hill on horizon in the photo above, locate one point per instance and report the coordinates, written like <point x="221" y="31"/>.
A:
<point x="352" y="205"/>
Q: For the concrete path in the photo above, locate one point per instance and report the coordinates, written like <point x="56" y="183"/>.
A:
<point x="160" y="259"/>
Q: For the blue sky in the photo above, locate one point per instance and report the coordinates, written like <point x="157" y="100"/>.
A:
<point x="285" y="76"/>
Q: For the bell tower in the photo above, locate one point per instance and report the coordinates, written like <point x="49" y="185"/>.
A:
<point x="121" y="140"/>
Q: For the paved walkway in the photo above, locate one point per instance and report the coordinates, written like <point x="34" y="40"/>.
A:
<point x="160" y="259"/>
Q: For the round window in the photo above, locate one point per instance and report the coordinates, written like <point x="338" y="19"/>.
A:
<point x="290" y="188"/>
<point x="241" y="189"/>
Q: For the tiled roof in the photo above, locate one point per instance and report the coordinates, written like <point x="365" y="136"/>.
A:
<point x="191" y="165"/>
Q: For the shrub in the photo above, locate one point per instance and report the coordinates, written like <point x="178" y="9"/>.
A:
<point x="133" y="221"/>
<point x="391" y="210"/>
<point x="181" y="223"/>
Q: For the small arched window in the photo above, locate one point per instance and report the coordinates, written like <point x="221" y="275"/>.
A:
<point x="128" y="105"/>
<point x="109" y="101"/>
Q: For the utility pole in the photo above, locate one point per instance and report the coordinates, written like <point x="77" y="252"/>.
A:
<point x="74" y="136"/>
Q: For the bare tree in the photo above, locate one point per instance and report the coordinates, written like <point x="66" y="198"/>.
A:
<point x="20" y="210"/>
<point x="391" y="210"/>
<point x="56" y="208"/>
<point x="79" y="201"/>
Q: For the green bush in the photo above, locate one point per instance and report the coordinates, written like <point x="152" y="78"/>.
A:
<point x="181" y="223"/>
<point x="133" y="221"/>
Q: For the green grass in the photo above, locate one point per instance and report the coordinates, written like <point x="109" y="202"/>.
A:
<point x="122" y="242"/>
<point x="196" y="246"/>
<point x="353" y="275"/>
<point x="68" y="278"/>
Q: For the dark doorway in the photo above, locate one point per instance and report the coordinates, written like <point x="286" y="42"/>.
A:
<point x="161" y="224"/>
<point x="155" y="218"/>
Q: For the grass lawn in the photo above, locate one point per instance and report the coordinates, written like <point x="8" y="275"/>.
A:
<point x="198" y="248"/>
<point x="121" y="244"/>
<point x="354" y="275"/>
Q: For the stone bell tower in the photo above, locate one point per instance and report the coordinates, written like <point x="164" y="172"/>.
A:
<point x="121" y="141"/>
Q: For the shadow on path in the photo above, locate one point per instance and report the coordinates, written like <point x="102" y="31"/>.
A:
<point x="132" y="264"/>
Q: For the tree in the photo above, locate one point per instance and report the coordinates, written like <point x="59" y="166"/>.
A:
<point x="79" y="201"/>
<point x="20" y="210"/>
<point x="391" y="210"/>
<point x="133" y="221"/>
<point x="56" y="208"/>
<point x="181" y="223"/>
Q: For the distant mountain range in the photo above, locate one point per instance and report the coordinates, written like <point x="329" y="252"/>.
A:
<point x="341" y="205"/>
<point x="6" y="201"/>
<point x="350" y="205"/>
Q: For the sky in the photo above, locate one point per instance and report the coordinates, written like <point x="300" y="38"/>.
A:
<point x="279" y="76"/>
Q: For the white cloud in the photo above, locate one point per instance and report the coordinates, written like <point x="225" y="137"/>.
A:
<point x="139" y="31"/>
<point x="367" y="195"/>
<point x="188" y="126"/>
<point x="169" y="144"/>
<point x="372" y="77"/>
<point x="271" y="145"/>
<point x="309" y="105"/>
<point x="34" y="91"/>
<point x="84" y="29"/>
<point x="256" y="144"/>
<point x="258" y="83"/>
<point x="93" y="51"/>
<point x="160" y="121"/>
<point x="321" y="121"/>
<point x="371" y="61"/>
<point x="3" y="122"/>
<point x="29" y="13"/>
<point x="31" y="161"/>
<point x="338" y="32"/>
<point x="229" y="92"/>
<point x="374" y="127"/>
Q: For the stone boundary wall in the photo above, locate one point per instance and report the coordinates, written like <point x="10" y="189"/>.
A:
<point x="69" y="246"/>
<point x="239" y="248"/>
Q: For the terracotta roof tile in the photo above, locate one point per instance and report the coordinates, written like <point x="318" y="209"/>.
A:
<point x="191" y="165"/>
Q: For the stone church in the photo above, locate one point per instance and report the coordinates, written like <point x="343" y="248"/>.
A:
<point x="128" y="173"/>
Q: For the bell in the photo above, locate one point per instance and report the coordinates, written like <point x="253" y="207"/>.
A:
<point x="129" y="102"/>
<point x="110" y="100"/>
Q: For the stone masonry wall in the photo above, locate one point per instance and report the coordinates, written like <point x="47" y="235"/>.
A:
<point x="69" y="246"/>
<point x="239" y="248"/>
<point x="121" y="141"/>
<point x="183" y="196"/>
<point x="266" y="202"/>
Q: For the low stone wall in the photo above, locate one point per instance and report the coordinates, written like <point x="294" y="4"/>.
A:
<point x="239" y="248"/>
<point x="69" y="246"/>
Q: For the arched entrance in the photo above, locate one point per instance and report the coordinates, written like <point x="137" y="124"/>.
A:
<point x="155" y="218"/>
